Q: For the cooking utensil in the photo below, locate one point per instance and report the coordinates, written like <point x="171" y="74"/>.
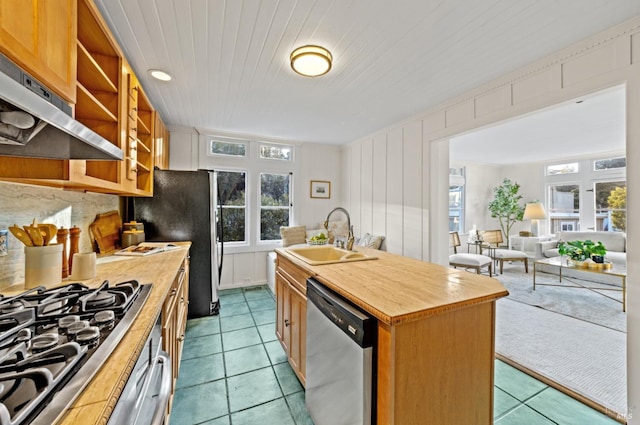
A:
<point x="35" y="234"/>
<point x="49" y="231"/>
<point x="21" y="235"/>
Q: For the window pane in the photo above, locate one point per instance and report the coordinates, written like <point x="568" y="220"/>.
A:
<point x="231" y="192"/>
<point x="564" y="208"/>
<point x="611" y="206"/>
<point x="275" y="152"/>
<point x="562" y="169"/>
<point x="456" y="208"/>
<point x="270" y="222"/>
<point x="274" y="189"/>
<point x="233" y="222"/>
<point x="609" y="164"/>
<point x="228" y="148"/>
<point x="275" y="206"/>
<point x="231" y="187"/>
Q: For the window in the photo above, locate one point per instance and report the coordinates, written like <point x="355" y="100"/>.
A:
<point x="564" y="207"/>
<point x="226" y="148"/>
<point x="456" y="199"/>
<point x="611" y="206"/>
<point x="280" y="152"/>
<point x="275" y="204"/>
<point x="609" y="164"/>
<point x="232" y="191"/>
<point x="569" y="168"/>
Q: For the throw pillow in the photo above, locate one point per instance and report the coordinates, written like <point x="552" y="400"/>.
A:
<point x="371" y="241"/>
<point x="337" y="228"/>
<point x="293" y="235"/>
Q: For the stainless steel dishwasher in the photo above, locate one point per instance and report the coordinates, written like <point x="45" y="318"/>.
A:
<point x="340" y="381"/>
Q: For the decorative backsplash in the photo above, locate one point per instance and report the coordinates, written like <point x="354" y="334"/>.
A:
<point x="20" y="204"/>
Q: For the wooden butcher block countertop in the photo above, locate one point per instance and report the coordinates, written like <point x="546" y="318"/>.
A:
<point x="397" y="289"/>
<point x="95" y="404"/>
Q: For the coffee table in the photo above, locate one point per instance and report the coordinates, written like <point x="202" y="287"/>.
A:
<point x="558" y="263"/>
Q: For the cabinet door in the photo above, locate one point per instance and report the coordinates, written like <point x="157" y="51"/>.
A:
<point x="161" y="144"/>
<point x="298" y="329"/>
<point x="40" y="36"/>
<point x="282" y="312"/>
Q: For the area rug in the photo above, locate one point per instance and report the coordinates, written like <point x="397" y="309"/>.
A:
<point x="586" y="358"/>
<point x="579" y="303"/>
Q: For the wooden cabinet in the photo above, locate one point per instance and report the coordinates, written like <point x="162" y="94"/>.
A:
<point x="40" y="36"/>
<point x="138" y="138"/>
<point x="161" y="144"/>
<point x="291" y="314"/>
<point x="109" y="101"/>
<point x="174" y="319"/>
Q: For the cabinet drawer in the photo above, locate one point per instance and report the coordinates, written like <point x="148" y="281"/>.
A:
<point x="293" y="274"/>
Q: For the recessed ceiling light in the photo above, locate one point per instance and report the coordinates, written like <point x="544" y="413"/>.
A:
<point x="311" y="61"/>
<point x="160" y="75"/>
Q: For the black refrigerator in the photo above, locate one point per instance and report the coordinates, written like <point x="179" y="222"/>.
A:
<point x="183" y="208"/>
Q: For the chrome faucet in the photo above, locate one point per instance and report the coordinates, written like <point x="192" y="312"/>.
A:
<point x="350" y="238"/>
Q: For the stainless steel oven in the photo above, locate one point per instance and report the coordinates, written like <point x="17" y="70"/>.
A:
<point x="146" y="395"/>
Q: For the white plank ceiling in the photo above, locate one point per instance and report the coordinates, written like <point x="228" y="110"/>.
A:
<point x="392" y="59"/>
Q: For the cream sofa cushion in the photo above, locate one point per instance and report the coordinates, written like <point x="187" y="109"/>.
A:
<point x="293" y="235"/>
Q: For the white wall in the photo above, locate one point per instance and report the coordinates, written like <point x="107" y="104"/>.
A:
<point x="599" y="62"/>
<point x="245" y="266"/>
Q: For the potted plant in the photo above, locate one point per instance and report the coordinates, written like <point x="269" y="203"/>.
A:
<point x="506" y="205"/>
<point x="581" y="251"/>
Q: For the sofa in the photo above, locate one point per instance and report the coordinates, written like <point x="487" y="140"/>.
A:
<point x="614" y="242"/>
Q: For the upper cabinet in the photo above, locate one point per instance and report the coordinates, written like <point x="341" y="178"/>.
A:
<point x="161" y="144"/>
<point x="107" y="95"/>
<point x="40" y="36"/>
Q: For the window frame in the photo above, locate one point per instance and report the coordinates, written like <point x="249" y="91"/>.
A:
<point x="260" y="207"/>
<point x="586" y="179"/>
<point x="213" y="139"/>
<point x="458" y="171"/>
<point x="245" y="242"/>
<point x="275" y="145"/>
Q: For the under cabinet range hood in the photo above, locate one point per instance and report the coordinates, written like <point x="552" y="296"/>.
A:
<point x="34" y="122"/>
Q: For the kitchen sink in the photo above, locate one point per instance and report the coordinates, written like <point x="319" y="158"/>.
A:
<point x="327" y="254"/>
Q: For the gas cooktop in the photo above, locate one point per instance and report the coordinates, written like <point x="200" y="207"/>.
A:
<point x="53" y="341"/>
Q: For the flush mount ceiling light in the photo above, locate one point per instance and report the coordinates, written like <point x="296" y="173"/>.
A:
<point x="160" y="75"/>
<point x="311" y="61"/>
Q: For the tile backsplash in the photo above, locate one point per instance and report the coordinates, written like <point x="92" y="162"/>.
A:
<point x="20" y="204"/>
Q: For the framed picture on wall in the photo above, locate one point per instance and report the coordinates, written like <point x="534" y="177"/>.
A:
<point x="320" y="189"/>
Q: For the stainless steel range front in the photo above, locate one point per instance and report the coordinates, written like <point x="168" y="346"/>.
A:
<point x="52" y="342"/>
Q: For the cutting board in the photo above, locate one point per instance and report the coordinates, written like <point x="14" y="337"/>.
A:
<point x="105" y="231"/>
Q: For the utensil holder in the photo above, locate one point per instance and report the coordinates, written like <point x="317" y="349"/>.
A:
<point x="42" y="265"/>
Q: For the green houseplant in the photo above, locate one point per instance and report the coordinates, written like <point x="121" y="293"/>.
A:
<point x="583" y="250"/>
<point x="506" y="205"/>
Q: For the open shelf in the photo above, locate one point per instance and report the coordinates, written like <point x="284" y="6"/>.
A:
<point x="92" y="76"/>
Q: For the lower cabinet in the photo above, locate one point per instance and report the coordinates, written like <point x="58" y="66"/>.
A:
<point x="291" y="315"/>
<point x="174" y="320"/>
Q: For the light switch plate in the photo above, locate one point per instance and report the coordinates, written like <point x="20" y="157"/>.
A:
<point x="4" y="242"/>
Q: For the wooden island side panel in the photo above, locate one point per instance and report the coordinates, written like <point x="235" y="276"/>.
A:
<point x="438" y="370"/>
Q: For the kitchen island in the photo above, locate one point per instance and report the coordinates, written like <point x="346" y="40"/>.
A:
<point x="436" y="332"/>
<point x="162" y="270"/>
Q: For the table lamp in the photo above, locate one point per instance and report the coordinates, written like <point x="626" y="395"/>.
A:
<point x="534" y="212"/>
